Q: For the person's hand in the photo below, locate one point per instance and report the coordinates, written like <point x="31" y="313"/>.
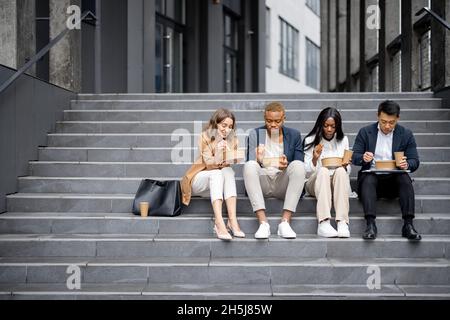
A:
<point x="283" y="162"/>
<point x="403" y="164"/>
<point x="368" y="156"/>
<point x="317" y="151"/>
<point x="222" y="145"/>
<point x="260" y="153"/>
<point x="345" y="164"/>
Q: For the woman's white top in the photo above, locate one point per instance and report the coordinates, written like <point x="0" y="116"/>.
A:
<point x="332" y="148"/>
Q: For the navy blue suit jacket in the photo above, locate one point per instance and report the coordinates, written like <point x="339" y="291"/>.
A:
<point x="403" y="140"/>
<point x="292" y="143"/>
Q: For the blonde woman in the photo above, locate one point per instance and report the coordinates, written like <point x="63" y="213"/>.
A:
<point x="212" y="176"/>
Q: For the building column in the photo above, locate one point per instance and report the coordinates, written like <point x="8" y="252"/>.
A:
<point x="65" y="57"/>
<point x="416" y="5"/>
<point x="214" y="33"/>
<point x="406" y="45"/>
<point x="371" y="40"/>
<point x="324" y="45"/>
<point x="439" y="74"/>
<point x="354" y="41"/>
<point x="135" y="46"/>
<point x="362" y="46"/>
<point x="342" y="43"/>
<point x="447" y="45"/>
<point x="382" y="56"/>
<point x="391" y="31"/>
<point x="332" y="62"/>
<point x="258" y="40"/>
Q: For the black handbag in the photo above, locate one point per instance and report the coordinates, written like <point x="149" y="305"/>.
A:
<point x="164" y="197"/>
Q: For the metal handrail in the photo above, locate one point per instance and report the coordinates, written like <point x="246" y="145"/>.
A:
<point x="43" y="52"/>
<point x="434" y="15"/>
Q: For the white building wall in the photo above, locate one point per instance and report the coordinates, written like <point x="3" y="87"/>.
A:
<point x="301" y="17"/>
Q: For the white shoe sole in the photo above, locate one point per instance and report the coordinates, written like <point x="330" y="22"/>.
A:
<point x="286" y="237"/>
<point x="327" y="236"/>
<point x="262" y="238"/>
<point x="343" y="235"/>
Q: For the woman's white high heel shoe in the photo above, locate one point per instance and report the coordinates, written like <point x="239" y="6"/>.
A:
<point x="237" y="234"/>
<point x="226" y="236"/>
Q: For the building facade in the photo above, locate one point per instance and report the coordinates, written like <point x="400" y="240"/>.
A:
<point x="140" y="46"/>
<point x="382" y="45"/>
<point x="292" y="45"/>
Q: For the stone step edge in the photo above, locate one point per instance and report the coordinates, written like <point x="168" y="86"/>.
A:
<point x="131" y="196"/>
<point x="201" y="238"/>
<point x="213" y="291"/>
<point x="222" y="262"/>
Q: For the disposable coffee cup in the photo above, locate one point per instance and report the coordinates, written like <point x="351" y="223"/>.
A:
<point x="399" y="157"/>
<point x="347" y="156"/>
<point x="144" y="206"/>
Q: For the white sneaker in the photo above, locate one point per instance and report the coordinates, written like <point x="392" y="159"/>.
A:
<point x="342" y="229"/>
<point x="325" y="229"/>
<point x="263" y="231"/>
<point x="285" y="231"/>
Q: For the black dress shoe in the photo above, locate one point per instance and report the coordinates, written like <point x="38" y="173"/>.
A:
<point x="410" y="233"/>
<point x="371" y="231"/>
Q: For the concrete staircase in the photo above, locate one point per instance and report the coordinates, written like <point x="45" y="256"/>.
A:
<point x="74" y="209"/>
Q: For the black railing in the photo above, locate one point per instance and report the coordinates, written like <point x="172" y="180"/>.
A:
<point x="434" y="15"/>
<point x="44" y="51"/>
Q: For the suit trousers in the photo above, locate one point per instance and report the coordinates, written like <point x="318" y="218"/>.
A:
<point x="372" y="186"/>
<point x="286" y="185"/>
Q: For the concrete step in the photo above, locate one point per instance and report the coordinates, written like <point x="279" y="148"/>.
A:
<point x="253" y="95"/>
<point x="236" y="104"/>
<point x="164" y="154"/>
<point x="223" y="271"/>
<point x="185" y="138"/>
<point x="48" y="291"/>
<point x="126" y="223"/>
<point x="63" y="202"/>
<point x="242" y="114"/>
<point x="172" y="170"/>
<point x="207" y="245"/>
<point x="419" y="126"/>
<point x="33" y="184"/>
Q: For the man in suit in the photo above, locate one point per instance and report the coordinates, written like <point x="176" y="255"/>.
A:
<point x="379" y="141"/>
<point x="274" y="168"/>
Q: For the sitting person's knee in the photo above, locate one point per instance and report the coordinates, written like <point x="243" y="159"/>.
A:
<point x="251" y="165"/>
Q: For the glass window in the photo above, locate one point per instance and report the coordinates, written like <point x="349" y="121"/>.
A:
<point x="288" y="50"/>
<point x="312" y="65"/>
<point x="173" y="9"/>
<point x="314" y="5"/>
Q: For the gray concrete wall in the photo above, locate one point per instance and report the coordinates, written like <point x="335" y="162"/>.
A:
<point x="29" y="109"/>
<point x="26" y="33"/>
<point x="8" y="33"/>
<point x="65" y="57"/>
